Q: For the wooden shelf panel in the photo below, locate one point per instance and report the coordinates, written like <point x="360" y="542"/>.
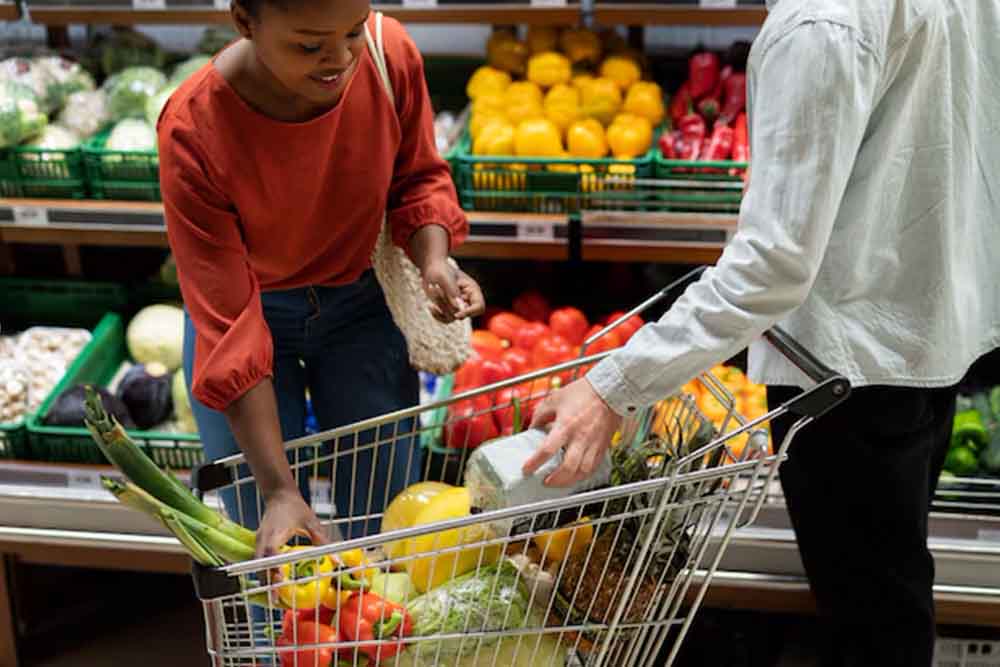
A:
<point x="9" y="12"/>
<point x="471" y="13"/>
<point x="660" y="14"/>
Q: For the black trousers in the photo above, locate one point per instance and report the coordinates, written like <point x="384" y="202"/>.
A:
<point x="858" y="482"/>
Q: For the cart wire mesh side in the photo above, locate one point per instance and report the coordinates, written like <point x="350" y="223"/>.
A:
<point x="612" y="576"/>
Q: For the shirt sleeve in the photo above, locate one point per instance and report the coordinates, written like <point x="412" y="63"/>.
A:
<point x="233" y="349"/>
<point x="811" y="99"/>
<point x="422" y="192"/>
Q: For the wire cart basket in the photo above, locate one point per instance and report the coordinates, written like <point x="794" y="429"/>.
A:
<point x="610" y="576"/>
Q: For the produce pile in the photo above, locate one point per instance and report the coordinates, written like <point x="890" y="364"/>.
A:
<point x="562" y="94"/>
<point x="974" y="449"/>
<point x="31" y="365"/>
<point x="708" y="112"/>
<point x="149" y="394"/>
<point x="530" y="337"/>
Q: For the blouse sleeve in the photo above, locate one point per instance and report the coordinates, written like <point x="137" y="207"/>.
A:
<point x="233" y="348"/>
<point x="422" y="192"/>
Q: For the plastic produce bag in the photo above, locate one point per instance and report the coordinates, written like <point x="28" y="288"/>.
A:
<point x="131" y="89"/>
<point x="35" y="77"/>
<point x="66" y="77"/>
<point x="20" y="117"/>
<point x="85" y="113"/>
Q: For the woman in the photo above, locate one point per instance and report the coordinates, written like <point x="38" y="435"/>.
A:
<point x="278" y="161"/>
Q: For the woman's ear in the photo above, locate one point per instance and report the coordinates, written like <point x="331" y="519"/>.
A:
<point x="242" y="19"/>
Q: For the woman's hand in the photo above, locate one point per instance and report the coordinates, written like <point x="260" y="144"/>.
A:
<point x="287" y="515"/>
<point x="453" y="293"/>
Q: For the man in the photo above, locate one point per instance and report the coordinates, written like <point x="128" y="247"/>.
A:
<point x="870" y="230"/>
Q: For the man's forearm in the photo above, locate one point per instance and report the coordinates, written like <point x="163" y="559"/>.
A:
<point x="253" y="419"/>
<point x="429" y="244"/>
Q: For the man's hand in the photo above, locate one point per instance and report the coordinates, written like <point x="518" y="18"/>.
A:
<point x="582" y="424"/>
<point x="453" y="294"/>
<point x="287" y="515"/>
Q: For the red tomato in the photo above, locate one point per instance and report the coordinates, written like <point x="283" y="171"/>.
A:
<point x="532" y="306"/>
<point x="519" y="360"/>
<point x="569" y="323"/>
<point x="308" y="633"/>
<point x="505" y="325"/>
<point x="626" y="329"/>
<point x="529" y="335"/>
<point x="487" y="344"/>
<point x="605" y="343"/>
<point x="470" y="424"/>
<point x="496" y="371"/>
<point x="551" y="350"/>
<point x="470" y="374"/>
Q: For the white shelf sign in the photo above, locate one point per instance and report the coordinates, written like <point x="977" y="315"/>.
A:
<point x="149" y="5"/>
<point x="420" y="4"/>
<point x="222" y="5"/>
<point x="30" y="215"/>
<point x="717" y="4"/>
<point x="549" y="3"/>
<point x="83" y="479"/>
<point x="536" y="231"/>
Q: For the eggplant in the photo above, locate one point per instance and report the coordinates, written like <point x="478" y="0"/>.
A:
<point x="145" y="391"/>
<point x="68" y="408"/>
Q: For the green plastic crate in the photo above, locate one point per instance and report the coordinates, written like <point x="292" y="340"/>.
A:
<point x="10" y="184"/>
<point x="128" y="175"/>
<point x="549" y="185"/>
<point x="44" y="173"/>
<point x="690" y="188"/>
<point x="98" y="364"/>
<point x="68" y="303"/>
<point x="14" y="441"/>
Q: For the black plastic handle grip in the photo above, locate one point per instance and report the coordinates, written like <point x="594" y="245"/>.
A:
<point x="802" y="358"/>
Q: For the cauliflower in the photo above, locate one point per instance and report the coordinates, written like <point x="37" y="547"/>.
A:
<point x="85" y="112"/>
<point x="20" y="117"/>
<point x="67" y="77"/>
<point x="131" y="134"/>
<point x="35" y="77"/>
<point x="130" y="90"/>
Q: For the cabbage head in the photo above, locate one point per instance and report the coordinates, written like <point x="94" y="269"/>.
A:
<point x="130" y="90"/>
<point x="86" y="112"/>
<point x="154" y="107"/>
<point x="20" y="117"/>
<point x="131" y="134"/>
<point x="187" y="68"/>
<point x="127" y="48"/>
<point x="55" y="140"/>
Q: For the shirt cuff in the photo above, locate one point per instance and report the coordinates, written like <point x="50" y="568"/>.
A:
<point x="610" y="383"/>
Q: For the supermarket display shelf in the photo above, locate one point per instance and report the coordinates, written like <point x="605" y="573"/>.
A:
<point x="124" y="14"/>
<point x="611" y="14"/>
<point x="9" y="11"/>
<point x="692" y="238"/>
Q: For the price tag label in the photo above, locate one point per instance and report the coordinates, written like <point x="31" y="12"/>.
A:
<point x="149" y="5"/>
<point x="549" y="3"/>
<point x="420" y="4"/>
<point x="989" y="535"/>
<point x="536" y="231"/>
<point x="717" y="4"/>
<point x="83" y="479"/>
<point x="31" y="215"/>
<point x="222" y="4"/>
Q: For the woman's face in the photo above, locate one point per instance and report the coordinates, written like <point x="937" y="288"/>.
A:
<point x="310" y="48"/>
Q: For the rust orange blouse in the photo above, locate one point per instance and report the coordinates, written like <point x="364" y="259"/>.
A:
<point x="257" y="204"/>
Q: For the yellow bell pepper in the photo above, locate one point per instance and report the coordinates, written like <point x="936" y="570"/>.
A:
<point x="523" y="101"/>
<point x="570" y="541"/>
<point x="581" y="81"/>
<point x="507" y="53"/>
<point x="404" y="508"/>
<point x="623" y="71"/>
<point x="645" y="99"/>
<point x="486" y="79"/>
<point x="601" y="99"/>
<point x="495" y="139"/>
<point x="581" y="46"/>
<point x="434" y="569"/>
<point x="523" y="90"/>
<point x="585" y="138"/>
<point x="563" y="168"/>
<point x="345" y="585"/>
<point x="538" y="138"/>
<point x="548" y="69"/>
<point x="629" y="136"/>
<point x="542" y="38"/>
<point x="488" y="102"/>
<point x="562" y="105"/>
<point x="308" y="594"/>
<point x="479" y="121"/>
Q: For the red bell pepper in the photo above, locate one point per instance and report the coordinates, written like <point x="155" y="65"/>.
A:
<point x="519" y="360"/>
<point x="496" y="370"/>
<point x="720" y="146"/>
<point x="570" y="323"/>
<point x="504" y="410"/>
<point x="735" y="96"/>
<point x="304" y="634"/>
<point x="487" y="344"/>
<point x="505" y="325"/>
<point x="551" y="350"/>
<point x="704" y="70"/>
<point x="469" y="423"/>
<point x="529" y="335"/>
<point x="369" y="617"/>
<point x="626" y="329"/>
<point x="532" y="306"/>
<point x="470" y="374"/>
<point x="294" y="618"/>
<point x="668" y="141"/>
<point x="741" y="139"/>
<point x="605" y="343"/>
<point x="692" y="128"/>
<point x="709" y="108"/>
<point x="726" y="72"/>
<point x="681" y="102"/>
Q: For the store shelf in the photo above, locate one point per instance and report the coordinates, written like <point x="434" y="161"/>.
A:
<point x="609" y="14"/>
<point x="685" y="238"/>
<point x="124" y="14"/>
<point x="9" y="11"/>
<point x="106" y="223"/>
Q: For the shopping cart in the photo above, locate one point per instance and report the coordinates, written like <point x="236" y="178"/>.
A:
<point x="611" y="576"/>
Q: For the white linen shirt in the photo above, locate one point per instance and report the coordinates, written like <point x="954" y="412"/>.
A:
<point x="870" y="229"/>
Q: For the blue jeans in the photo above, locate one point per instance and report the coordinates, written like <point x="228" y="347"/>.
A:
<point x="341" y="344"/>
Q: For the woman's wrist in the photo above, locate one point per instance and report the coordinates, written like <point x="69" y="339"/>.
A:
<point x="429" y="245"/>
